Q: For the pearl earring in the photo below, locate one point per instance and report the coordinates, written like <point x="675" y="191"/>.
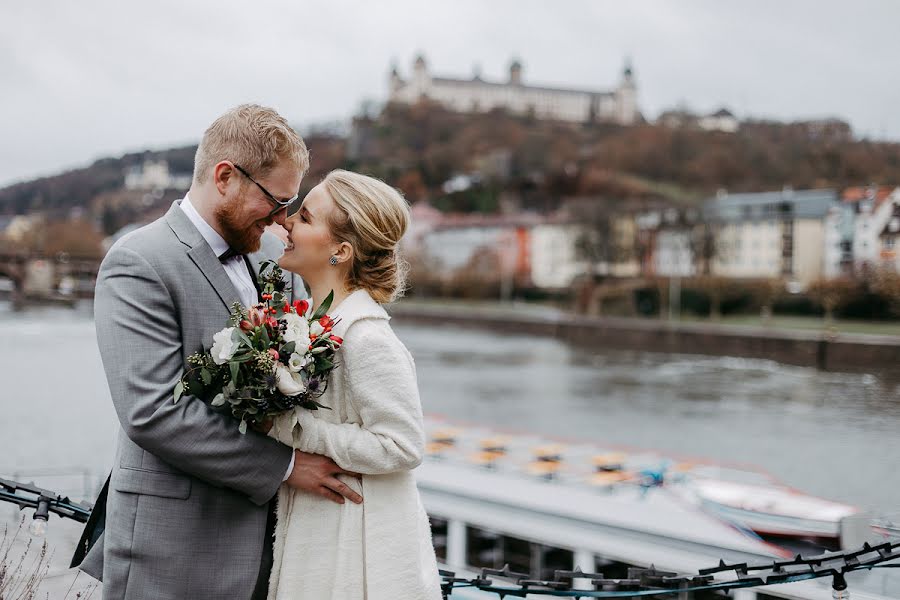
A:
<point x="333" y="260"/>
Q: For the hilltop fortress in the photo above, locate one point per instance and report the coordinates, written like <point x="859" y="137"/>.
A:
<point x="618" y="105"/>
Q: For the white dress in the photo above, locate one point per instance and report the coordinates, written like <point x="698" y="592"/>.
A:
<point x="381" y="549"/>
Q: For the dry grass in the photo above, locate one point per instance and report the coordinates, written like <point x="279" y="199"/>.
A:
<point x="21" y="576"/>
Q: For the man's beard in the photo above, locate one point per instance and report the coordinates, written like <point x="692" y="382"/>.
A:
<point x="240" y="234"/>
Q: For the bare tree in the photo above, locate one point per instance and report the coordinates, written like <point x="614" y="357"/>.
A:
<point x="833" y="294"/>
<point x="887" y="283"/>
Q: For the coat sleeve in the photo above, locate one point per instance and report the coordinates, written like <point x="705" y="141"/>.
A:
<point x="139" y="336"/>
<point x="381" y="385"/>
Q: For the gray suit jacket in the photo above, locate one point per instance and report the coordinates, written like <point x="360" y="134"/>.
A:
<point x="188" y="494"/>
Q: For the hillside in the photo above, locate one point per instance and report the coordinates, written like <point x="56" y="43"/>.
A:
<point x="542" y="161"/>
<point x="99" y="189"/>
<point x="520" y="162"/>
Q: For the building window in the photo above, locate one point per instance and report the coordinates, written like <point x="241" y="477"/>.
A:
<point x="610" y="569"/>
<point x="439" y="537"/>
<point x="550" y="560"/>
<point x="492" y="550"/>
<point x="482" y="548"/>
<point x="516" y="553"/>
<point x="489" y="549"/>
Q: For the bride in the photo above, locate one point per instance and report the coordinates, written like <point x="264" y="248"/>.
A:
<point x="344" y="239"/>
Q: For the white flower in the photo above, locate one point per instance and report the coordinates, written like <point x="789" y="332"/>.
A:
<point x="297" y="330"/>
<point x="224" y="346"/>
<point x="316" y="329"/>
<point x="298" y="361"/>
<point x="288" y="383"/>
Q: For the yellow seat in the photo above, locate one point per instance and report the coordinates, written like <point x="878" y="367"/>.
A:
<point x="486" y="458"/>
<point x="548" y="452"/>
<point x="434" y="448"/>
<point x="445" y="435"/>
<point x="496" y="444"/>
<point x="613" y="461"/>
<point x="544" y="468"/>
<point x="605" y="478"/>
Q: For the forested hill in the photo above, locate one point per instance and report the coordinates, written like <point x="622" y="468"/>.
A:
<point x="422" y="147"/>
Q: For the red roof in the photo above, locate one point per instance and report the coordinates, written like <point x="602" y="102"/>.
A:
<point x="857" y="194"/>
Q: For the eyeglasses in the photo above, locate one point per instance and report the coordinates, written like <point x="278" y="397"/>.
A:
<point x="279" y="204"/>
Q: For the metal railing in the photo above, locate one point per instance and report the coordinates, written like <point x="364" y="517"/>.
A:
<point x="640" y="582"/>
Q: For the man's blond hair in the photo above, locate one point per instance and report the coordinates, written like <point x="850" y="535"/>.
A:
<point x="255" y="137"/>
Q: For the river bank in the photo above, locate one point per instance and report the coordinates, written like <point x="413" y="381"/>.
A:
<point x="827" y="351"/>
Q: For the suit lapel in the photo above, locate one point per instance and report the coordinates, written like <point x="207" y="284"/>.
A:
<point x="215" y="274"/>
<point x="202" y="255"/>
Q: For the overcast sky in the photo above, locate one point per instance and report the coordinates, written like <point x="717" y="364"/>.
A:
<point x="93" y="78"/>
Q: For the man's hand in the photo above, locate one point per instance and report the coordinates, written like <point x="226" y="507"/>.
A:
<point x="316" y="473"/>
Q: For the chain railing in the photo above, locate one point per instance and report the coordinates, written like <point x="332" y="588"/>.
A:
<point x="653" y="582"/>
<point x="640" y="582"/>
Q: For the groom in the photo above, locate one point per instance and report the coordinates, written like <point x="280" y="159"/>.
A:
<point x="187" y="508"/>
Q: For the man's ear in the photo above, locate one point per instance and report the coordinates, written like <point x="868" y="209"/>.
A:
<point x="224" y="174"/>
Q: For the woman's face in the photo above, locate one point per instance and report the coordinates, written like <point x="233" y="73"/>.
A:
<point x="310" y="243"/>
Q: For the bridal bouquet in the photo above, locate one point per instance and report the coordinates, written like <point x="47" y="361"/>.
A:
<point x="270" y="359"/>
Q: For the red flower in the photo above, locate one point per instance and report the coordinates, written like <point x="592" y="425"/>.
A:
<point x="337" y="340"/>
<point x="246" y="326"/>
<point x="273" y="353"/>
<point x="287" y="308"/>
<point x="272" y="322"/>
<point x="300" y="306"/>
<point x="326" y="322"/>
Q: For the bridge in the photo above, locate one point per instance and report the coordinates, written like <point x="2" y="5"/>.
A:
<point x="61" y="278"/>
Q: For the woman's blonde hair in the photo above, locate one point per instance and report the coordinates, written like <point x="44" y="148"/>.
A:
<point x="255" y="137"/>
<point x="372" y="217"/>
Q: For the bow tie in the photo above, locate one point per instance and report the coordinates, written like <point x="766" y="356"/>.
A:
<point x="228" y="255"/>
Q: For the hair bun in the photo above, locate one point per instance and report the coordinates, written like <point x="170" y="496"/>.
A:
<point x="372" y="217"/>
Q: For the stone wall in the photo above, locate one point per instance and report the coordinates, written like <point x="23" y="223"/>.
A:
<point x="844" y="352"/>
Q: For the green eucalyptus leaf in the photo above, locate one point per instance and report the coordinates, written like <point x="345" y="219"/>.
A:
<point x="323" y="308"/>
<point x="234" y="366"/>
<point x="206" y="376"/>
<point x="243" y="427"/>
<point x="243" y="337"/>
<point x="179" y="390"/>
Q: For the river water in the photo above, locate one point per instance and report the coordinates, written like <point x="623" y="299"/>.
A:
<point x="833" y="435"/>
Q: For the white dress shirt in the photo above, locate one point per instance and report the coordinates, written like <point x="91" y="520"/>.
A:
<point x="235" y="267"/>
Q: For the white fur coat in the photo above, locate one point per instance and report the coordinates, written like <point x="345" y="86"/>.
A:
<point x="381" y="549"/>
